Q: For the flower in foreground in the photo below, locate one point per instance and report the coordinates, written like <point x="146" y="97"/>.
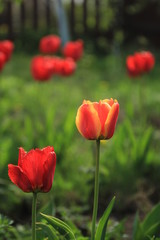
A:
<point x="97" y="120"/>
<point x="35" y="170"/>
<point x="49" y="44"/>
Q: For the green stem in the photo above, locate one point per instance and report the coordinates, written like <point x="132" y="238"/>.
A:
<point x="96" y="191"/>
<point x="34" y="216"/>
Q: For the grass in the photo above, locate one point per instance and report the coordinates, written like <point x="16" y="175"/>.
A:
<point x="35" y="114"/>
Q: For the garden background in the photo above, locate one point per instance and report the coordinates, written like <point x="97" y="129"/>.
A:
<point x="37" y="114"/>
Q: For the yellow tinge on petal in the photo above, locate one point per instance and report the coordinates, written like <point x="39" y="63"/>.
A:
<point x="87" y="102"/>
<point x="87" y="121"/>
<point x="111" y="121"/>
<point x="103" y="109"/>
<point x="110" y="101"/>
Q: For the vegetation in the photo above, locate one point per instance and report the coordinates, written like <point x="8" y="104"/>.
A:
<point x="35" y="114"/>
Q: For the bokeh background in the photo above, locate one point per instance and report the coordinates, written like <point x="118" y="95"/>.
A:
<point x="36" y="114"/>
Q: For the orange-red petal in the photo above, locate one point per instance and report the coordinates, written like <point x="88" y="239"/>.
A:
<point x="109" y="101"/>
<point x="87" y="121"/>
<point x="111" y="121"/>
<point x="103" y="109"/>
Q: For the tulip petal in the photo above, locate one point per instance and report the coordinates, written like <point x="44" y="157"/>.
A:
<point x="48" y="150"/>
<point x="139" y="62"/>
<point x="22" y="153"/>
<point x="19" y="178"/>
<point x="33" y="167"/>
<point x="103" y="109"/>
<point x="111" y="121"/>
<point x="87" y="122"/>
<point x="49" y="169"/>
<point x="109" y="101"/>
<point x="131" y="66"/>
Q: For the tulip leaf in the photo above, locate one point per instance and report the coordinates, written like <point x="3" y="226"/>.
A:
<point x="152" y="218"/>
<point x="49" y="230"/>
<point x="153" y="230"/>
<point x="82" y="238"/>
<point x="137" y="229"/>
<point x="101" y="229"/>
<point x="60" y="227"/>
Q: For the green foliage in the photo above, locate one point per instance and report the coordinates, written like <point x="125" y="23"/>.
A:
<point x="57" y="228"/>
<point x="150" y="227"/>
<point x="6" y="230"/>
<point x="45" y="228"/>
<point x="39" y="114"/>
<point x="132" y="148"/>
<point x="9" y="232"/>
<point x="102" y="226"/>
<point x="116" y="230"/>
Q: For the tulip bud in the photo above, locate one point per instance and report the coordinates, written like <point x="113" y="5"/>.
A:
<point x="97" y="120"/>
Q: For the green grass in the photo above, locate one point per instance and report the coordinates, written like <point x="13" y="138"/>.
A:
<point x="35" y="114"/>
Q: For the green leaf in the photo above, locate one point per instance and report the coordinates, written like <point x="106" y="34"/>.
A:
<point x="101" y="229"/>
<point x="137" y="230"/>
<point x="153" y="230"/>
<point x="143" y="146"/>
<point x="48" y="229"/>
<point x="136" y="226"/>
<point x="60" y="227"/>
<point x="152" y="218"/>
<point x="82" y="238"/>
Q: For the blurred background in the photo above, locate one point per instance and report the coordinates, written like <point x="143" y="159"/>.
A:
<point x="106" y="23"/>
<point x="35" y="114"/>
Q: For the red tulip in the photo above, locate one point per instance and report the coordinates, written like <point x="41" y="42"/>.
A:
<point x="2" y="60"/>
<point x="35" y="170"/>
<point x="139" y="63"/>
<point x="7" y="47"/>
<point x="68" y="67"/>
<point x="97" y="120"/>
<point x="41" y="68"/>
<point x="73" y="50"/>
<point x="149" y="60"/>
<point x="132" y="69"/>
<point x="57" y="65"/>
<point x="49" y="44"/>
<point x="63" y="67"/>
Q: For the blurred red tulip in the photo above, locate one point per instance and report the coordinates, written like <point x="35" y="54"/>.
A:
<point x="63" y="67"/>
<point x="49" y="44"/>
<point x="58" y="65"/>
<point x="139" y="63"/>
<point x="73" y="49"/>
<point x="132" y="69"/>
<point x="41" y="68"/>
<point x="97" y="120"/>
<point x="2" y="60"/>
<point x="35" y="170"/>
<point x="149" y="60"/>
<point x="69" y="67"/>
<point x="7" y="47"/>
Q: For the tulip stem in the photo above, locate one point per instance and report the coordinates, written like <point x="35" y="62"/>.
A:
<point x="96" y="190"/>
<point x="34" y="216"/>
